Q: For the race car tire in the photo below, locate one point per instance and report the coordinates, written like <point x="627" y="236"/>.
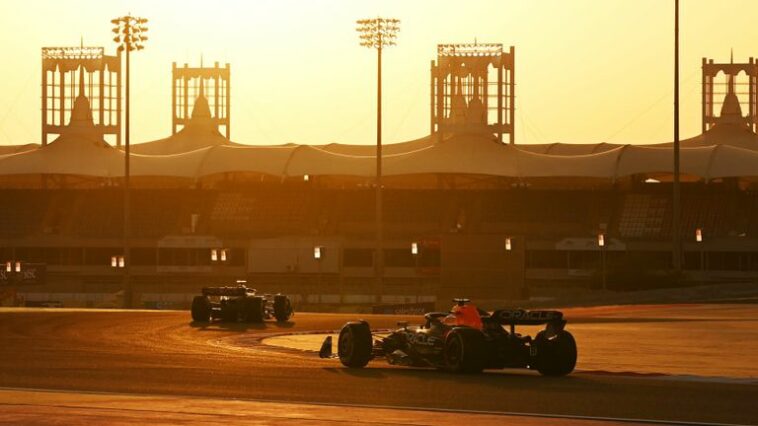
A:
<point x="254" y="308"/>
<point x="201" y="309"/>
<point x="355" y="344"/>
<point x="465" y="351"/>
<point x="556" y="356"/>
<point x="282" y="308"/>
<point x="240" y="310"/>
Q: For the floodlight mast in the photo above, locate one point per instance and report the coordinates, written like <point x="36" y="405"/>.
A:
<point x="378" y="33"/>
<point x="677" y="196"/>
<point x="130" y="36"/>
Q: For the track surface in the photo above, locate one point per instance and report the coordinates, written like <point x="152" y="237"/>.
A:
<point x="150" y="352"/>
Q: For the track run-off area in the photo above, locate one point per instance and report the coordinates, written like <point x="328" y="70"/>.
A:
<point x="671" y="363"/>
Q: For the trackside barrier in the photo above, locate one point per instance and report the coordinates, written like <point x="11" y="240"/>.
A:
<point x="404" y="308"/>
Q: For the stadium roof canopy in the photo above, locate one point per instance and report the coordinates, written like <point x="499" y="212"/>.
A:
<point x="729" y="149"/>
<point x="200" y="132"/>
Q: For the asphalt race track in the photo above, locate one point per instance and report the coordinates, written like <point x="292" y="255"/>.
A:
<point x="163" y="353"/>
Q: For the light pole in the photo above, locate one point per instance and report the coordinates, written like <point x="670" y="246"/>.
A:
<point x="318" y="255"/>
<point x="601" y="245"/>
<point x="508" y="245"/>
<point x="129" y="36"/>
<point x="677" y="208"/>
<point x="699" y="241"/>
<point x="378" y="33"/>
<point x="415" y="253"/>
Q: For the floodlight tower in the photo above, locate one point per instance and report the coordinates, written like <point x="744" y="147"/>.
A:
<point x="378" y="33"/>
<point x="677" y="197"/>
<point x="130" y="36"/>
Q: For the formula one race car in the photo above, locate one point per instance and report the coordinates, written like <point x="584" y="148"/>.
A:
<point x="241" y="304"/>
<point x="465" y="340"/>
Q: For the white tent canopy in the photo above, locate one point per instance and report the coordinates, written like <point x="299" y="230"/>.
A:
<point x="81" y="151"/>
<point x="73" y="154"/>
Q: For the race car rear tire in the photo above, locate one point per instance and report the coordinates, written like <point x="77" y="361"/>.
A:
<point x="555" y="356"/>
<point x="355" y="344"/>
<point x="201" y="309"/>
<point x="465" y="351"/>
<point x="254" y="309"/>
<point x="282" y="308"/>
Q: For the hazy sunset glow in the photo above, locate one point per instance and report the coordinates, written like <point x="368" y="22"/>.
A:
<point x="586" y="71"/>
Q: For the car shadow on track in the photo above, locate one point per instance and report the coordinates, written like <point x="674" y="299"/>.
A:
<point x="495" y="378"/>
<point x="240" y="326"/>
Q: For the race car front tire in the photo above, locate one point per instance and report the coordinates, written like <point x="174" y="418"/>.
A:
<point x="465" y="351"/>
<point x="282" y="308"/>
<point x="555" y="356"/>
<point x="201" y="309"/>
<point x="355" y="344"/>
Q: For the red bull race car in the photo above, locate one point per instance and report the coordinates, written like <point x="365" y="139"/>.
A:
<point x="464" y="340"/>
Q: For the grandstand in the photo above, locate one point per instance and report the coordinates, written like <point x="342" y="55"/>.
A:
<point x="458" y="194"/>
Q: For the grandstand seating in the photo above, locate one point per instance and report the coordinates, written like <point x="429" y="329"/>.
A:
<point x="649" y="215"/>
<point x="22" y="212"/>
<point x="642" y="215"/>
<point x="248" y="213"/>
<point x="262" y="213"/>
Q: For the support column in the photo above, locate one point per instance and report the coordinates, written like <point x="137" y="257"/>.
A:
<point x="185" y="96"/>
<point x="44" y="104"/>
<point x="215" y="93"/>
<point x="703" y="95"/>
<point x="174" y="109"/>
<point x="512" y="88"/>
<point x="752" y="78"/>
<point x="118" y="100"/>
<point x="228" y="102"/>
<point x="62" y="98"/>
<point x="101" y="96"/>
<point x="379" y="258"/>
<point x="500" y="99"/>
<point x="441" y="96"/>
<point x="431" y="95"/>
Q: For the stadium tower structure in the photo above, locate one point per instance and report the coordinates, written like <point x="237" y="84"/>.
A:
<point x="200" y="106"/>
<point x="738" y="77"/>
<point x="473" y="90"/>
<point x="67" y="69"/>
<point x="212" y="84"/>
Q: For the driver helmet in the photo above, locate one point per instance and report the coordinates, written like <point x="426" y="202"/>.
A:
<point x="464" y="315"/>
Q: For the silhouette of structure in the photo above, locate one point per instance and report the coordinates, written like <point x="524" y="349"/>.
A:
<point x="210" y="85"/>
<point x="473" y="90"/>
<point x="731" y="108"/>
<point x="378" y="33"/>
<point x="64" y="71"/>
<point x="445" y="210"/>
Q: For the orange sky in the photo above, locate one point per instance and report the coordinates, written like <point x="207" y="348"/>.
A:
<point x="586" y="70"/>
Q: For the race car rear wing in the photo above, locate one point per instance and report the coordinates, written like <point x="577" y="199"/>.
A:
<point x="524" y="317"/>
